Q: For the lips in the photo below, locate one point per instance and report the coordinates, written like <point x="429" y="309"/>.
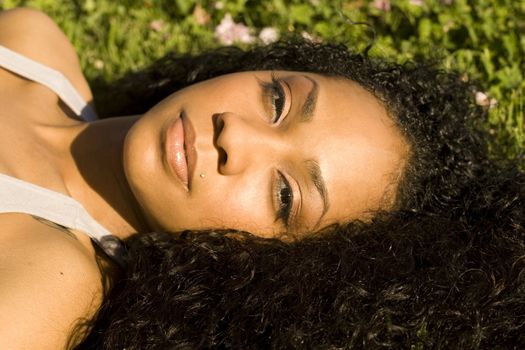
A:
<point x="180" y="153"/>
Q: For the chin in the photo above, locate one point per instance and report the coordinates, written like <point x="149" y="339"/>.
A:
<point x="141" y="161"/>
<point x="153" y="187"/>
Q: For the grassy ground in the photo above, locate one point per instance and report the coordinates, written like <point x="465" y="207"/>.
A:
<point x="483" y="38"/>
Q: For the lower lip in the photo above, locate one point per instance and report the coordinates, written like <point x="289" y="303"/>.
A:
<point x="176" y="154"/>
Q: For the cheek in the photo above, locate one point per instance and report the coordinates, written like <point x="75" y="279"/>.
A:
<point x="241" y="207"/>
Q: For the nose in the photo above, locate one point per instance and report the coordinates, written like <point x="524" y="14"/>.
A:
<point x="243" y="142"/>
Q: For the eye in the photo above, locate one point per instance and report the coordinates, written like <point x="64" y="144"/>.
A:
<point x="284" y="198"/>
<point x="275" y="97"/>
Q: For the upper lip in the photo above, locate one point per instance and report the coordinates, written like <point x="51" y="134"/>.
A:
<point x="189" y="148"/>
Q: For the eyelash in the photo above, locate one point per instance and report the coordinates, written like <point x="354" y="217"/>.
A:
<point x="284" y="195"/>
<point x="275" y="92"/>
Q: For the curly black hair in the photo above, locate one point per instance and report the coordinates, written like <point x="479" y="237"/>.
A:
<point x="427" y="281"/>
<point x="444" y="269"/>
<point x="433" y="108"/>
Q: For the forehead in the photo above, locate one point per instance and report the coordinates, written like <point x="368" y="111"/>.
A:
<point x="358" y="146"/>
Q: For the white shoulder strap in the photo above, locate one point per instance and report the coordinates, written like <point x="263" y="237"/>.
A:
<point x="49" y="77"/>
<point x="17" y="196"/>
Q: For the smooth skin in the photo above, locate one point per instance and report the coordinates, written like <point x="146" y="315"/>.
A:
<point x="241" y="145"/>
<point x="50" y="278"/>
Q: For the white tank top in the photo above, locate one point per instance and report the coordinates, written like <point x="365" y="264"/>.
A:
<point x="17" y="196"/>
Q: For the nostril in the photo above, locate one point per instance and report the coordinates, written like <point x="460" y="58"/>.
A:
<point x="218" y="127"/>
<point x="223" y="156"/>
<point x="218" y="124"/>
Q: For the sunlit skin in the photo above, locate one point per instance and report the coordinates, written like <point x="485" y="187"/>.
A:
<point x="54" y="276"/>
<point x="342" y="128"/>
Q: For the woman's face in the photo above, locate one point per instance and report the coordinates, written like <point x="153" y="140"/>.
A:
<point x="268" y="153"/>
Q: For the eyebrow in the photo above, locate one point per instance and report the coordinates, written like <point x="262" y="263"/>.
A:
<point x="307" y="111"/>
<point x="314" y="171"/>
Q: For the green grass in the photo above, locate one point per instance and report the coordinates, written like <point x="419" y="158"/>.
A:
<point x="483" y="38"/>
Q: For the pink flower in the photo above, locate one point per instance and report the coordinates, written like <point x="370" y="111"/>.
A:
<point x="310" y="37"/>
<point x="200" y="15"/>
<point x="417" y="2"/>
<point x="268" y="35"/>
<point x="448" y="26"/>
<point x="307" y="36"/>
<point x="157" y="25"/>
<point x="99" y="64"/>
<point x="482" y="99"/>
<point x="229" y="32"/>
<point x="383" y="5"/>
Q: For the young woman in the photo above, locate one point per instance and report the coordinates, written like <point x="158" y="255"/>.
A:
<point x="442" y="267"/>
<point x="298" y="140"/>
<point x="65" y="179"/>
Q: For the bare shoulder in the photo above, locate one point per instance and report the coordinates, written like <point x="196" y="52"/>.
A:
<point x="49" y="286"/>
<point x="34" y="34"/>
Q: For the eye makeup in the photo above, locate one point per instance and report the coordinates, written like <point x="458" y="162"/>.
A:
<point x="285" y="191"/>
<point x="286" y="201"/>
<point x="276" y="99"/>
<point x="284" y="198"/>
<point x="274" y="96"/>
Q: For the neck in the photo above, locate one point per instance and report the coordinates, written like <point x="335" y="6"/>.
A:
<point x="95" y="176"/>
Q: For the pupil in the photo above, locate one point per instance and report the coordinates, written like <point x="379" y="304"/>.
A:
<point x="285" y="194"/>
<point x="278" y="102"/>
